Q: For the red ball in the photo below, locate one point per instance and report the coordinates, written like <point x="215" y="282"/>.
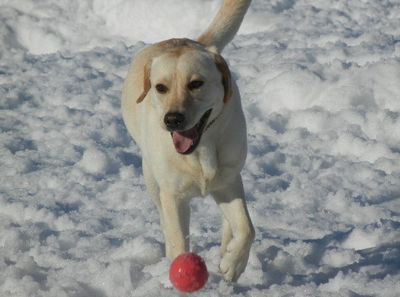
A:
<point x="188" y="272"/>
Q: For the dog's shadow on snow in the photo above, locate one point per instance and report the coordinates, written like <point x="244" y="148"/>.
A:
<point x="385" y="257"/>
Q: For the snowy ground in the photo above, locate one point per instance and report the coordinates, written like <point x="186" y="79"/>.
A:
<point x="320" y="82"/>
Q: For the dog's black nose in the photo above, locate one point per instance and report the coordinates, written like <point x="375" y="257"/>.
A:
<point x="174" y="121"/>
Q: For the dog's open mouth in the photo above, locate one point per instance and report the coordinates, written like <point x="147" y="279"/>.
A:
<point x="185" y="142"/>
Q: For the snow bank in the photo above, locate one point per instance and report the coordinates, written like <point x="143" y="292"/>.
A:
<point x="46" y="26"/>
<point x="321" y="92"/>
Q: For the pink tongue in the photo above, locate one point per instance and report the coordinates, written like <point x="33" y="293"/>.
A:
<point x="184" y="140"/>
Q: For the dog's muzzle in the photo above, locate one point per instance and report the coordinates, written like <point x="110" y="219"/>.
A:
<point x="186" y="141"/>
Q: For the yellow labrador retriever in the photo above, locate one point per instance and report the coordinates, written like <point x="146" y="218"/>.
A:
<point x="184" y="111"/>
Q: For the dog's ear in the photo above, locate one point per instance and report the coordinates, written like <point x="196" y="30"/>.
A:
<point x="146" y="82"/>
<point x="226" y="76"/>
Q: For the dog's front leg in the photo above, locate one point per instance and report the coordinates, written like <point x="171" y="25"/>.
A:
<point x="176" y="217"/>
<point x="238" y="230"/>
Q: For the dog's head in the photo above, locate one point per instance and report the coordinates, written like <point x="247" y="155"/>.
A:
<point x="188" y="86"/>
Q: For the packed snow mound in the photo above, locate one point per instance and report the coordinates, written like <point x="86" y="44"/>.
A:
<point x="320" y="88"/>
<point x="47" y="26"/>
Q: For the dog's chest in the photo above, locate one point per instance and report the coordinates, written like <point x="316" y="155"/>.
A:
<point x="202" y="169"/>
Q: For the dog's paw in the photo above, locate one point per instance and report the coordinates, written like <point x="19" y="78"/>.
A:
<point x="234" y="260"/>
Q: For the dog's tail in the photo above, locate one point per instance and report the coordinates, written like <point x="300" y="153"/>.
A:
<point x="225" y="24"/>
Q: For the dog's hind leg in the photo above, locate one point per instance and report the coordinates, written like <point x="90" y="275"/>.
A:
<point x="152" y="187"/>
<point x="153" y="190"/>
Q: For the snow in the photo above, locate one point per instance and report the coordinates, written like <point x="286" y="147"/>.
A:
<point x="320" y="82"/>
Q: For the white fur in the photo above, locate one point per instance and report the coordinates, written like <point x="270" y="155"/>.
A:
<point x="214" y="166"/>
<point x="225" y="24"/>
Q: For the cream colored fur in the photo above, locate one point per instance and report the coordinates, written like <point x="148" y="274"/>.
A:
<point x="214" y="166"/>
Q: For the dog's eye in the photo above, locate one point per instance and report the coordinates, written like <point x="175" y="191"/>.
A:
<point x="195" y="84"/>
<point x="162" y="89"/>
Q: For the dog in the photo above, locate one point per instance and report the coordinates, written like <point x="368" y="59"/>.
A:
<point x="183" y="109"/>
